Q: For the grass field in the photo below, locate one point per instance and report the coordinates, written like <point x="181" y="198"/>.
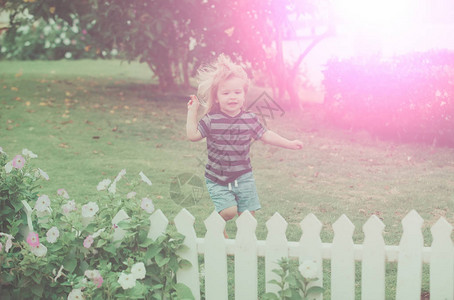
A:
<point x="87" y="120"/>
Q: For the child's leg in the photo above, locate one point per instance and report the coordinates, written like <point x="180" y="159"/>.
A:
<point x="229" y="213"/>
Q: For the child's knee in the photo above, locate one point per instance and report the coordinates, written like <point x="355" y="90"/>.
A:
<point x="229" y="213"/>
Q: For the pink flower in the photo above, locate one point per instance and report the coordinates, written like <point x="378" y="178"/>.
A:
<point x="98" y="281"/>
<point x="88" y="241"/>
<point x="33" y="239"/>
<point x="63" y="193"/>
<point x="18" y="161"/>
<point x="84" y="31"/>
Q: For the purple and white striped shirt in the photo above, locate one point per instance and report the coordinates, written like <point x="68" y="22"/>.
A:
<point x="228" y="143"/>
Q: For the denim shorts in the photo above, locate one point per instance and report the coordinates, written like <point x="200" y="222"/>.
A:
<point x="241" y="193"/>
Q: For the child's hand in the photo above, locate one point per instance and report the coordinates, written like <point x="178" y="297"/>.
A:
<point x="193" y="103"/>
<point x="296" y="145"/>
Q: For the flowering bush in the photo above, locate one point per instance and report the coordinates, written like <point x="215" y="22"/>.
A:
<point x="296" y="280"/>
<point x="97" y="250"/>
<point x="407" y="97"/>
<point x="55" y="39"/>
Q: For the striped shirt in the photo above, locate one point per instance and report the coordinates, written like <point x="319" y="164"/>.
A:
<point x="228" y="143"/>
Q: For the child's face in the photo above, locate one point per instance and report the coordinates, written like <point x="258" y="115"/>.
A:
<point x="230" y="96"/>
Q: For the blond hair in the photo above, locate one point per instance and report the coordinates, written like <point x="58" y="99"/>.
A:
<point x="211" y="75"/>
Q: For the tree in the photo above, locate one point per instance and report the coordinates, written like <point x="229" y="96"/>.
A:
<point x="255" y="30"/>
<point x="156" y="32"/>
<point x="172" y="35"/>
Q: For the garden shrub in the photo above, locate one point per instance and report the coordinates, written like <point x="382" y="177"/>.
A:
<point x="52" y="247"/>
<point x="52" y="40"/>
<point x="407" y="97"/>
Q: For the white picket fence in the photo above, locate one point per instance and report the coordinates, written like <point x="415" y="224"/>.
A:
<point x="410" y="255"/>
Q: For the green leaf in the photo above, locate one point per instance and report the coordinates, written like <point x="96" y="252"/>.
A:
<point x="161" y="260"/>
<point x="101" y="242"/>
<point x="38" y="290"/>
<point x="183" y="292"/>
<point x="152" y="251"/>
<point x="274" y="281"/>
<point x="270" y="296"/>
<point x="111" y="249"/>
<point x="315" y="290"/>
<point x="184" y="263"/>
<point x="70" y="263"/>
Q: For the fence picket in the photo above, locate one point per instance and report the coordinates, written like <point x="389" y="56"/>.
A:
<point x="184" y="222"/>
<point x="276" y="248"/>
<point x="441" y="261"/>
<point x="158" y="225"/>
<point x="342" y="260"/>
<point x="119" y="233"/>
<point x="373" y="260"/>
<point x="373" y="253"/>
<point x="215" y="259"/>
<point x="409" y="273"/>
<point x="311" y="246"/>
<point x="246" y="257"/>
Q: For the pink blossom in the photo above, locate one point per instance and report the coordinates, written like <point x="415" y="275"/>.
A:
<point x="84" y="31"/>
<point x="33" y="239"/>
<point x="63" y="193"/>
<point x="18" y="161"/>
<point x="98" y="281"/>
<point x="88" y="241"/>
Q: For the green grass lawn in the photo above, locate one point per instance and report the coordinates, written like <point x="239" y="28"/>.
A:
<point x="87" y="120"/>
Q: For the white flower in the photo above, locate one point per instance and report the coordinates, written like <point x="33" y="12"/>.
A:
<point x="42" y="204"/>
<point x="98" y="233"/>
<point x="127" y="281"/>
<point x="43" y="174"/>
<point x="89" y="209"/>
<point x="52" y="235"/>
<point x="40" y="250"/>
<point x="9" y="167"/>
<point x="147" y="205"/>
<point x="113" y="188"/>
<point x="309" y="269"/>
<point x="138" y="270"/>
<point x="131" y="195"/>
<point x="1" y="151"/>
<point x="144" y="178"/>
<point x="8" y="244"/>
<point x="76" y="294"/>
<point x="92" y="274"/>
<point x="103" y="184"/>
<point x="69" y="207"/>
<point x="28" y="153"/>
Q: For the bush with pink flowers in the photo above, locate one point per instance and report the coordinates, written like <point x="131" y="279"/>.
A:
<point x="52" y="247"/>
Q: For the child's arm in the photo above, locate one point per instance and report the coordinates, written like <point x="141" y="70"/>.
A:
<point x="191" y="123"/>
<point x="272" y="138"/>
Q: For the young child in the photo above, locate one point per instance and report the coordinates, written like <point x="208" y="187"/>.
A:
<point x="229" y="131"/>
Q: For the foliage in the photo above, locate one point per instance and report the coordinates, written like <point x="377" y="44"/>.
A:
<point x="99" y="250"/>
<point x="409" y="97"/>
<point x="296" y="281"/>
<point x="171" y="36"/>
<point x="55" y="39"/>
